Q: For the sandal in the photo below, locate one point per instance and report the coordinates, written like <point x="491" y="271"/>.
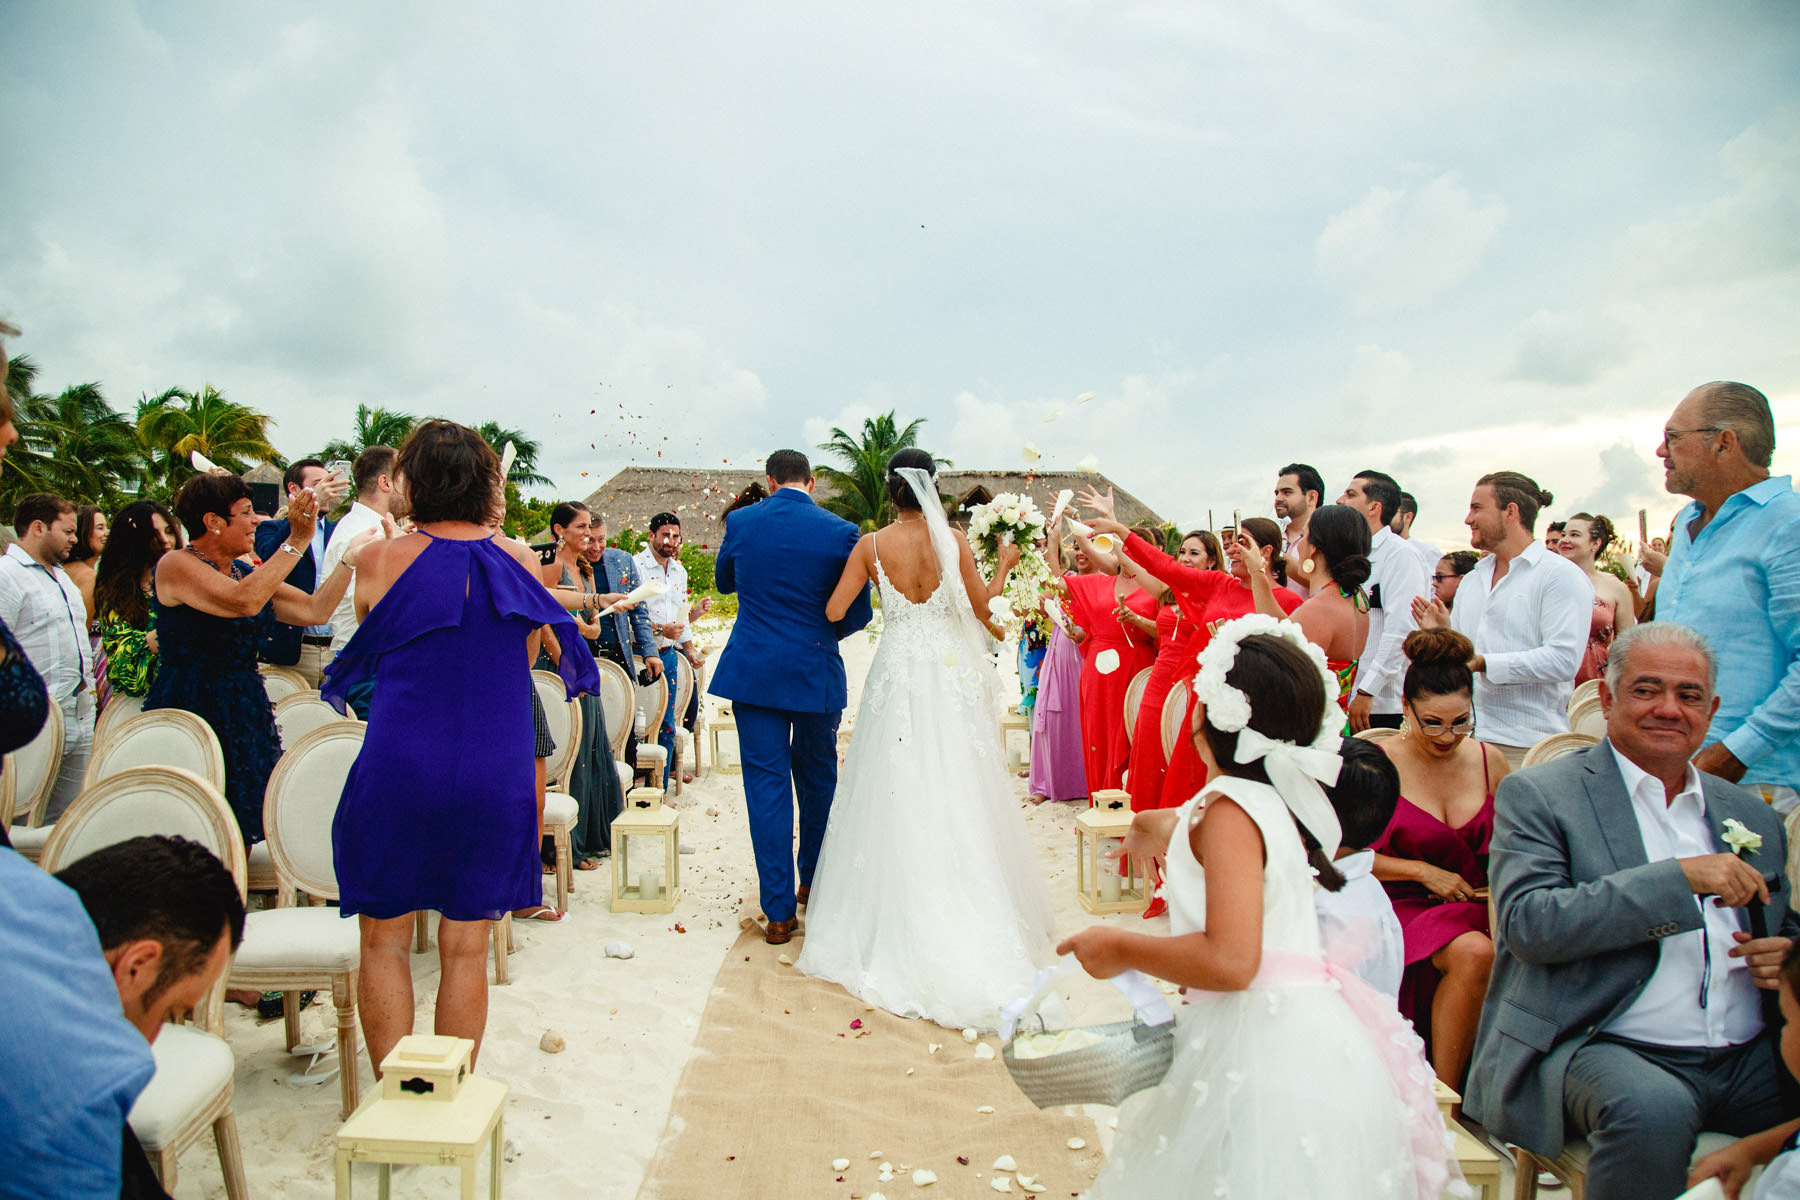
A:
<point x="542" y="912"/>
<point x="588" y="864"/>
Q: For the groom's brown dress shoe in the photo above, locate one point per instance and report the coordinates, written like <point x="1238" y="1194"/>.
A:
<point x="804" y="894"/>
<point x="779" y="933"/>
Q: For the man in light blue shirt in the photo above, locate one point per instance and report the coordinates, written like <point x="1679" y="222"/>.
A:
<point x="72" y="1064"/>
<point x="1734" y="574"/>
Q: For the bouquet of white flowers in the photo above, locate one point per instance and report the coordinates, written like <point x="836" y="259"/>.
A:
<point x="1010" y="519"/>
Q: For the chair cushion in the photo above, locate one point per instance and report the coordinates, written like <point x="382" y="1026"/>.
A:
<point x="651" y="754"/>
<point x="192" y="1068"/>
<point x="559" y="809"/>
<point x="298" y="939"/>
<point x="625" y="777"/>
<point x="28" y="840"/>
<point x="260" y="875"/>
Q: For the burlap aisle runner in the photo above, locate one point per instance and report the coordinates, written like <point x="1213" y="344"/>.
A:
<point x="780" y="1085"/>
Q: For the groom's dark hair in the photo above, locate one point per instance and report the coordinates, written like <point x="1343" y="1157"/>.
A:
<point x="788" y="466"/>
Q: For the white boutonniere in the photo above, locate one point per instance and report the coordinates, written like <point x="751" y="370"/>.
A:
<point x="1740" y="838"/>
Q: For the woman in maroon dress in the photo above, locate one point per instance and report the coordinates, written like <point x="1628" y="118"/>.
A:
<point x="1433" y="859"/>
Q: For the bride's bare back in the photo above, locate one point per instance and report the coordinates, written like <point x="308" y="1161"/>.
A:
<point x="910" y="565"/>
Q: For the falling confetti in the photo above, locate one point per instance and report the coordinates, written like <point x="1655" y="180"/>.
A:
<point x="1084" y="397"/>
<point x="1031" y="452"/>
<point x="1053" y="415"/>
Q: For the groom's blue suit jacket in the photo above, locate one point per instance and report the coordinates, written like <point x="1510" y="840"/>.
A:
<point x="783" y="558"/>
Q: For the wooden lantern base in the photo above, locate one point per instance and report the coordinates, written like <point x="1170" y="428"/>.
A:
<point x="725" y="760"/>
<point x="427" y="1130"/>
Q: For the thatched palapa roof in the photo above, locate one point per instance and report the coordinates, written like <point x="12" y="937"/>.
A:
<point x="630" y="498"/>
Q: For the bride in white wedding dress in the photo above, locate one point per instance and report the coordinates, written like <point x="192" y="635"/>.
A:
<point x="928" y="900"/>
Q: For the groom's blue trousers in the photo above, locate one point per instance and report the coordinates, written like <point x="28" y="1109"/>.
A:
<point x="787" y="756"/>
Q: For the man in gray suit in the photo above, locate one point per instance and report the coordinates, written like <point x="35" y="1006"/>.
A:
<point x="1625" y="995"/>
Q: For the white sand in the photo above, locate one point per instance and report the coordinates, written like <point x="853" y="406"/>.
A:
<point x="585" y="1122"/>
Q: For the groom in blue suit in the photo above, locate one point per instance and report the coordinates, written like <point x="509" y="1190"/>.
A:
<point x="782" y="673"/>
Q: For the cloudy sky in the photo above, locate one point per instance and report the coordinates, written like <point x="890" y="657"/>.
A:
<point x="1438" y="238"/>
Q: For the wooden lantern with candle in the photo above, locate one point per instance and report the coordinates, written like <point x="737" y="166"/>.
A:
<point x="1015" y="735"/>
<point x="1107" y="885"/>
<point x="722" y="729"/>
<point x="646" y="883"/>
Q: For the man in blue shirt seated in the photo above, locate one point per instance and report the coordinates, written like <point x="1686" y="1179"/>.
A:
<point x="92" y="963"/>
<point x="1733" y="574"/>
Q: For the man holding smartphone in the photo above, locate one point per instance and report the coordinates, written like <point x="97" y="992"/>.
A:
<point x="308" y="649"/>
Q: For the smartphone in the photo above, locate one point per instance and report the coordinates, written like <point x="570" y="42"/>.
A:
<point x="338" y="468"/>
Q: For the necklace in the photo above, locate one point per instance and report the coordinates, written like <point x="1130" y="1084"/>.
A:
<point x="209" y="562"/>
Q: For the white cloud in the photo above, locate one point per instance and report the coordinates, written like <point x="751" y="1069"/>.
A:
<point x="1568" y="348"/>
<point x="1395" y="249"/>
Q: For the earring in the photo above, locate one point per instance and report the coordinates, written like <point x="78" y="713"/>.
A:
<point x="1306" y="568"/>
<point x="559" y="543"/>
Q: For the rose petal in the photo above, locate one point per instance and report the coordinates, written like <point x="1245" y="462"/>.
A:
<point x="1001" y="1183"/>
<point x="970" y="1036"/>
<point x="1085" y="397"/>
<point x="985" y="1109"/>
<point x="840" y="1164"/>
<point x="1005" y="1163"/>
<point x="1107" y="661"/>
<point x="924" y="1178"/>
<point x="1031" y="453"/>
<point x="1090" y="464"/>
<point x="984" y="1051"/>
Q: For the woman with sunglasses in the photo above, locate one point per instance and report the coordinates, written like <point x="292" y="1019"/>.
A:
<point x="1433" y="857"/>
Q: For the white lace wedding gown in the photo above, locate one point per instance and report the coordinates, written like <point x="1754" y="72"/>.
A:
<point x="928" y="899"/>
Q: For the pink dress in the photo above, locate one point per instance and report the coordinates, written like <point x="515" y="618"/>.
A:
<point x="1428" y="923"/>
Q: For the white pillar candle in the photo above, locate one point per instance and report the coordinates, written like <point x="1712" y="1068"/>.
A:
<point x="1109" y="885"/>
<point x="650" y="886"/>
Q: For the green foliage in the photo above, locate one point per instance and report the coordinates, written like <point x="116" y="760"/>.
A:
<point x="176" y="423"/>
<point x="859" y="484"/>
<point x="699" y="566"/>
<point x="524" y="471"/>
<point x="73" y="444"/>
<point x="374" y="427"/>
<point x="629" y="540"/>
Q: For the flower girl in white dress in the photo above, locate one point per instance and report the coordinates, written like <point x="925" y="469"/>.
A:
<point x="1284" y="1082"/>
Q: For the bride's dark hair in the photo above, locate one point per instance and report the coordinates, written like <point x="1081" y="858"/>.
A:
<point x="1287" y="700"/>
<point x="899" y="491"/>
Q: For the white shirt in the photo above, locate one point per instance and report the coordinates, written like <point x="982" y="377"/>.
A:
<point x="43" y="608"/>
<point x="1396" y="575"/>
<point x="1358" y="928"/>
<point x="1668" y="1011"/>
<point x="1532" y="628"/>
<point x="359" y="519"/>
<point x="1427" y="551"/>
<point x="672" y="605"/>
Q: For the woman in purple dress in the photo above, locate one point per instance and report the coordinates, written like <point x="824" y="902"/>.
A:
<point x="1058" y="764"/>
<point x="1433" y="858"/>
<point x="438" y="811"/>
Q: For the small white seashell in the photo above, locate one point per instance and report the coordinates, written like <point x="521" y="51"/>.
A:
<point x="970" y="1036"/>
<point x="909" y="1070"/>
<point x="984" y="1051"/>
<point x="784" y="960"/>
<point x="874" y="1154"/>
<point x="552" y="1042"/>
<point x="985" y="1109"/>
<point x="1005" y="1163"/>
<point x="933" y="1047"/>
<point x="619" y="950"/>
<point x="924" y="1178"/>
<point x="840" y="1164"/>
<point x="1078" y="1143"/>
<point x="1001" y="1183"/>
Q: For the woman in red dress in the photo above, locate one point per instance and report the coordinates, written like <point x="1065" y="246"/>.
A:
<point x="1174" y="650"/>
<point x="1206" y="599"/>
<point x="1111" y="656"/>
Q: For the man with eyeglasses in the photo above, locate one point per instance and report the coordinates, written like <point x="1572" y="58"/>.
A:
<point x="1733" y="574"/>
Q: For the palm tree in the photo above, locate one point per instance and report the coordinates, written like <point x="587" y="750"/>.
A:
<point x="859" y="488"/>
<point x="176" y="423"/>
<point x="374" y="427"/>
<point x="25" y="469"/>
<point x="524" y="471"/>
<point x="95" y="451"/>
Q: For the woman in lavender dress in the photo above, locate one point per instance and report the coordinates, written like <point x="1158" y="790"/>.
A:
<point x="439" y="810"/>
<point x="1058" y="768"/>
